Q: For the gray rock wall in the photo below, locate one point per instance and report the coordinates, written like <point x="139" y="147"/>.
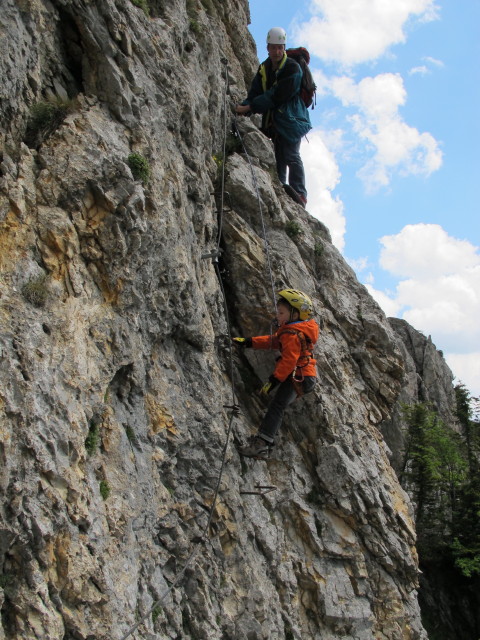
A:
<point x="428" y="380"/>
<point x="115" y="377"/>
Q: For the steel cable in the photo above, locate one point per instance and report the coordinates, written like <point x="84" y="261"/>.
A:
<point x="204" y="535"/>
<point x="260" y="209"/>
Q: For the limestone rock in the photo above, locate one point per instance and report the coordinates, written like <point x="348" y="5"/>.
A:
<point x="116" y="378"/>
<point x="428" y="380"/>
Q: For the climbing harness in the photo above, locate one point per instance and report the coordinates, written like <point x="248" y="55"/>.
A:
<point x="268" y="124"/>
<point x="306" y="354"/>
<point x="306" y="346"/>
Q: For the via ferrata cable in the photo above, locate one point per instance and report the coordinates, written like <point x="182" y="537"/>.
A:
<point x="233" y="408"/>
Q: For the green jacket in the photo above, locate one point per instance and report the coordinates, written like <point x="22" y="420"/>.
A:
<point x="276" y="95"/>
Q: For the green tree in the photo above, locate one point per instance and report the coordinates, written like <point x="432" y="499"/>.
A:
<point x="442" y="474"/>
<point x="466" y="532"/>
<point x="470" y="427"/>
<point x="434" y="474"/>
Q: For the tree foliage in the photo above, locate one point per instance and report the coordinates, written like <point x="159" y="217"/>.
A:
<point x="466" y="543"/>
<point x="441" y="473"/>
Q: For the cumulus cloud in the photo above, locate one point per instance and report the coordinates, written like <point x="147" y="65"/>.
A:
<point x="322" y="176"/>
<point x="423" y="251"/>
<point x="322" y="82"/>
<point x="440" y="292"/>
<point x="468" y="367"/>
<point x="350" y="33"/>
<point x="390" y="306"/>
<point x="378" y="97"/>
<point x="358" y="264"/>
<point x="396" y="145"/>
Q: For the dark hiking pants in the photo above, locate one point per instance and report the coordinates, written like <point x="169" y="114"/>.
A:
<point x="283" y="397"/>
<point x="287" y="155"/>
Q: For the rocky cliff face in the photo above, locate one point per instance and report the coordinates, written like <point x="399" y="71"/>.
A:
<point x="116" y="377"/>
<point x="428" y="379"/>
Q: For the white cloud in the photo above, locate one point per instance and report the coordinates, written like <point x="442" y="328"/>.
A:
<point x="349" y="33"/>
<point x="426" y="250"/>
<point x="390" y="307"/>
<point x="447" y="307"/>
<point x="440" y="292"/>
<point x="354" y="32"/>
<point x="358" y="264"/>
<point x="396" y="145"/>
<point x="377" y="97"/>
<point x="434" y="61"/>
<point x="322" y="82"/>
<point x="466" y="367"/>
<point x="422" y="70"/>
<point x="322" y="176"/>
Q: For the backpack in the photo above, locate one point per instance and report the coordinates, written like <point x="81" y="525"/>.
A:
<point x="308" y="87"/>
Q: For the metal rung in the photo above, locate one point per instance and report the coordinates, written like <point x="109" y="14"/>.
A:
<point x="214" y="255"/>
<point x="262" y="490"/>
<point x="226" y="196"/>
<point x="235" y="408"/>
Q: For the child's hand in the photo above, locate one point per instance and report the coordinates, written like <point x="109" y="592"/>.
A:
<point x="242" y="342"/>
<point x="265" y="390"/>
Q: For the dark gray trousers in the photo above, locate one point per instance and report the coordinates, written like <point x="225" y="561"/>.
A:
<point x="287" y="155"/>
<point x="283" y="397"/>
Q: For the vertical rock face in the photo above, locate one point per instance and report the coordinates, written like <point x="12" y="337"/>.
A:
<point x="116" y="378"/>
<point x="433" y="377"/>
<point x="428" y="379"/>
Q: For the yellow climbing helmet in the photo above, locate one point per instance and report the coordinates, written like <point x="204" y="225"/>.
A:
<point x="299" y="301"/>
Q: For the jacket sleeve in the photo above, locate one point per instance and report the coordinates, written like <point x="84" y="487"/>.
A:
<point x="266" y="342"/>
<point x="256" y="89"/>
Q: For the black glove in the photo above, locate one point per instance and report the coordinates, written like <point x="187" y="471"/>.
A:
<point x="242" y="342"/>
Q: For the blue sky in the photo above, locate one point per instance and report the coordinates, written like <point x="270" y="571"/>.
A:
<point x="392" y="162"/>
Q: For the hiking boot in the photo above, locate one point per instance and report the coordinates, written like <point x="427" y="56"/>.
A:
<point x="297" y="197"/>
<point x="256" y="448"/>
<point x="303" y="200"/>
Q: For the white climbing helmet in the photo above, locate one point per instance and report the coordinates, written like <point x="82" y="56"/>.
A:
<point x="277" y="35"/>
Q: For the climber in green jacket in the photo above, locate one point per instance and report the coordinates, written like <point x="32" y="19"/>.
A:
<point x="275" y="93"/>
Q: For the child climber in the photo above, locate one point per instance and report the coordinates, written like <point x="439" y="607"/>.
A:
<point x="295" y="371"/>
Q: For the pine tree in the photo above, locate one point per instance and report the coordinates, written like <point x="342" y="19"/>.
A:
<point x="466" y="534"/>
<point x="435" y="473"/>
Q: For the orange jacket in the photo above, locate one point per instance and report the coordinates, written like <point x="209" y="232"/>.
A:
<point x="295" y="351"/>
